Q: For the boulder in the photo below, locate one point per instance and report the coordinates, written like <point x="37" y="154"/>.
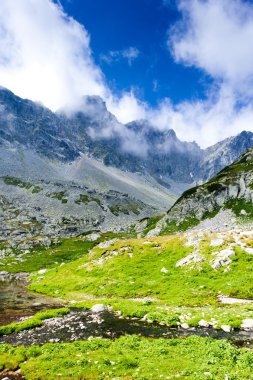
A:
<point x="203" y="323"/>
<point x="226" y="328"/>
<point x="42" y="271"/>
<point x="99" y="308"/>
<point x="216" y="242"/>
<point x="107" y="243"/>
<point x="193" y="258"/>
<point x="247" y="324"/>
<point x="223" y="258"/>
<point x="185" y="326"/>
<point x="93" y="236"/>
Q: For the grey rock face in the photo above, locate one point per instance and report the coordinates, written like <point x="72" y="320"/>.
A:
<point x="159" y="154"/>
<point x="232" y="186"/>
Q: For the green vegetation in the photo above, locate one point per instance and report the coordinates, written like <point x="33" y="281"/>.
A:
<point x="144" y="288"/>
<point x="214" y="187"/>
<point x="65" y="251"/>
<point x="187" y="194"/>
<point x="237" y="205"/>
<point x="32" y="322"/>
<point x="60" y="195"/>
<point x="151" y="223"/>
<point x="12" y="181"/>
<point x="174" y="226"/>
<point x="40" y="257"/>
<point x="131" y="357"/>
<point x="125" y="208"/>
<point x="84" y="198"/>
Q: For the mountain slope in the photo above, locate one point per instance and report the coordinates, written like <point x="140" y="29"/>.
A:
<point x="231" y="189"/>
<point x="58" y="198"/>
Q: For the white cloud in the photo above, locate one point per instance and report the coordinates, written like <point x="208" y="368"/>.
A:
<point x="130" y="54"/>
<point x="127" y="107"/>
<point x="216" y="36"/>
<point x="205" y="122"/>
<point x="45" y="55"/>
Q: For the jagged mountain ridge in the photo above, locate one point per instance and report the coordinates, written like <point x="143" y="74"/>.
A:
<point x="134" y="147"/>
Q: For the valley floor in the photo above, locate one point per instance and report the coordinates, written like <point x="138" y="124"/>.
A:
<point x="189" y="282"/>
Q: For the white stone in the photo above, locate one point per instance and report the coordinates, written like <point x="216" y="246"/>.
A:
<point x="185" y="326"/>
<point x="42" y="271"/>
<point x="154" y="233"/>
<point x="249" y="250"/>
<point x="243" y="212"/>
<point x="192" y="258"/>
<point x="164" y="270"/>
<point x="107" y="243"/>
<point x="223" y="258"/>
<point x="98" y="308"/>
<point x="93" y="236"/>
<point x="226" y="328"/>
<point x="203" y="323"/>
<point x="247" y="324"/>
<point x="216" y="242"/>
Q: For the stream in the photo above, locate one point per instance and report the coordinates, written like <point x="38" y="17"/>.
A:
<point x="16" y="302"/>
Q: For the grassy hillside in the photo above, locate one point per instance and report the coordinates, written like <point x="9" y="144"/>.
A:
<point x="148" y="277"/>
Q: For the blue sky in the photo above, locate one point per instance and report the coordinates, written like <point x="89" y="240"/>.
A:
<point x="186" y="66"/>
<point x="116" y="25"/>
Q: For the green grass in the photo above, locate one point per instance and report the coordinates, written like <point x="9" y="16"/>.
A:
<point x="132" y="281"/>
<point x="151" y="223"/>
<point x="135" y="273"/>
<point x="173" y="226"/>
<point x="68" y="250"/>
<point x="65" y="251"/>
<point x="129" y="358"/>
<point x="32" y="322"/>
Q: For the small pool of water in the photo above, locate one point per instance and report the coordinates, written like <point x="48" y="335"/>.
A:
<point x="16" y="301"/>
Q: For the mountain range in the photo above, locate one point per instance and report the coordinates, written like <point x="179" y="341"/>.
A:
<point x="85" y="168"/>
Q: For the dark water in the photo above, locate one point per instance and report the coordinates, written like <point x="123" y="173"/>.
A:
<point x="16" y="301"/>
<point x="81" y="325"/>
